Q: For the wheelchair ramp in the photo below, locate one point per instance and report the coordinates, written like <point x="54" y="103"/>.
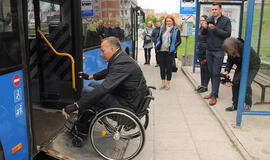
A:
<point x="61" y="147"/>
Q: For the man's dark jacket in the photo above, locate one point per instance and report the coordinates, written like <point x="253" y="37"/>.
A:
<point x="154" y="35"/>
<point x="123" y="79"/>
<point x="254" y="62"/>
<point x="216" y="36"/>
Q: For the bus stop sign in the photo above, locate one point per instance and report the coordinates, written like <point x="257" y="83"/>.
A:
<point x="188" y="7"/>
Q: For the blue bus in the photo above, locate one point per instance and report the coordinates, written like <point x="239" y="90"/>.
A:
<point x="35" y="83"/>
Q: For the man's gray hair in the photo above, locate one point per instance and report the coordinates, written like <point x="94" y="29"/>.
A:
<point x="230" y="43"/>
<point x="113" y="42"/>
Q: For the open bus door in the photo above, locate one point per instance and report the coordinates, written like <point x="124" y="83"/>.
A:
<point x="50" y="75"/>
<point x="14" y="101"/>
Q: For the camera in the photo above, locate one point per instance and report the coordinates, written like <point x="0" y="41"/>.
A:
<point x="224" y="79"/>
<point x="210" y="21"/>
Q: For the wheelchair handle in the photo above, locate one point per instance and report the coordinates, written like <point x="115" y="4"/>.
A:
<point x="152" y="87"/>
<point x="150" y="97"/>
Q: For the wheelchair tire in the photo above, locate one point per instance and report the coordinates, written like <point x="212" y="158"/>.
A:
<point x="111" y="134"/>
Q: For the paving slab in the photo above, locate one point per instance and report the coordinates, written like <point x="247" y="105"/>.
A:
<point x="252" y="139"/>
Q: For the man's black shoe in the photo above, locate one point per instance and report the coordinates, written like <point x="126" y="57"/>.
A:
<point x="203" y="89"/>
<point x="232" y="108"/>
<point x="156" y="65"/>
<point x="198" y="88"/>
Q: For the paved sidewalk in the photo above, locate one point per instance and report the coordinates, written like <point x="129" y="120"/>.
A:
<point x="252" y="139"/>
<point x="181" y="125"/>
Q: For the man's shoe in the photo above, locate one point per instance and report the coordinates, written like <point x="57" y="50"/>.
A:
<point x="156" y="65"/>
<point x="207" y="97"/>
<point x="198" y="88"/>
<point x="232" y="108"/>
<point x="203" y="89"/>
<point x="212" y="101"/>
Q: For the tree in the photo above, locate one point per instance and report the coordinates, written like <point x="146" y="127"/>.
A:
<point x="161" y="18"/>
<point x="150" y="18"/>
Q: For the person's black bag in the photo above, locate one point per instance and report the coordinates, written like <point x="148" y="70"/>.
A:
<point x="147" y="38"/>
<point x="174" y="67"/>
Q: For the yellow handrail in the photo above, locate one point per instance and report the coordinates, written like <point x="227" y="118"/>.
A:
<point x="62" y="54"/>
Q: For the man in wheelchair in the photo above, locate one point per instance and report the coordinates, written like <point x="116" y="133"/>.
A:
<point x="124" y="85"/>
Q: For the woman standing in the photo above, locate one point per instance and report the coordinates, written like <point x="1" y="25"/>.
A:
<point x="147" y="42"/>
<point x="201" y="52"/>
<point x="168" y="41"/>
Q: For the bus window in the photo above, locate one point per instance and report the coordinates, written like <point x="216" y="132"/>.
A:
<point x="109" y="18"/>
<point x="10" y="50"/>
<point x="49" y="17"/>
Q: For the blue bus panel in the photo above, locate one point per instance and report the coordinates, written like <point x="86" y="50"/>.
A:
<point x="13" y="128"/>
<point x="93" y="62"/>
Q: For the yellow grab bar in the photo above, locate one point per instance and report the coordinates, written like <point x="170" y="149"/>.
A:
<point x="62" y="54"/>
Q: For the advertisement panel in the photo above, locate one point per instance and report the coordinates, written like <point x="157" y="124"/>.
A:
<point x="231" y="11"/>
<point x="87" y="8"/>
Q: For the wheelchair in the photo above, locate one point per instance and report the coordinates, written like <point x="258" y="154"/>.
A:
<point x="118" y="133"/>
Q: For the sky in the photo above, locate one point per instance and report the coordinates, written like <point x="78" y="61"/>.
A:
<point x="170" y="6"/>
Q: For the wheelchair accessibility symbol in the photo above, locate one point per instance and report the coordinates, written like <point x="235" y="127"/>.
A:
<point x="17" y="95"/>
<point x="18" y="110"/>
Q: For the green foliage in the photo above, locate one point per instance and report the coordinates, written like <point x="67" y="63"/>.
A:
<point x="161" y="18"/>
<point x="265" y="41"/>
<point x="182" y="46"/>
<point x="150" y="18"/>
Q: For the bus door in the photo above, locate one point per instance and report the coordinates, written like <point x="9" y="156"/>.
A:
<point x="50" y="74"/>
<point x="13" y="86"/>
<point x="135" y="13"/>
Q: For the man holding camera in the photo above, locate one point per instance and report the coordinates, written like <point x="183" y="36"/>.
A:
<point x="234" y="48"/>
<point x="217" y="28"/>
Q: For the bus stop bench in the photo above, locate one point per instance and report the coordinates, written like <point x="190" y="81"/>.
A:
<point x="263" y="81"/>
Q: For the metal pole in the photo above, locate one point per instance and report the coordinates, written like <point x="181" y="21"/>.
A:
<point x="185" y="62"/>
<point x="260" y="30"/>
<point x="245" y="63"/>
<point x="196" y="33"/>
<point x="241" y="19"/>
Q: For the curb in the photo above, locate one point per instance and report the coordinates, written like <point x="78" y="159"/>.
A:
<point x="235" y="141"/>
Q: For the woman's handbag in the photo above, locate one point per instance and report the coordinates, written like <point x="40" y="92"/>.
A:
<point x="174" y="67"/>
<point x="147" y="38"/>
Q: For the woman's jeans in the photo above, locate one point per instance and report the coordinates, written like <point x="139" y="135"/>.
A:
<point x="165" y="64"/>
<point x="205" y="75"/>
<point x="147" y="55"/>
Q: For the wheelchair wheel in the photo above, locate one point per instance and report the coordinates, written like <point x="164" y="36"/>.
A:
<point x="111" y="134"/>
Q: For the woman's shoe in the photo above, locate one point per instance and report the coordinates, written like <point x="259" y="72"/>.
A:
<point x="162" y="87"/>
<point x="168" y="88"/>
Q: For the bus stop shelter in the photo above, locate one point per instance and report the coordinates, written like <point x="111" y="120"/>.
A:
<point x="235" y="11"/>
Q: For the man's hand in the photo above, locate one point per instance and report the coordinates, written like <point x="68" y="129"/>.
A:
<point x="65" y="114"/>
<point x="69" y="109"/>
<point x="229" y="84"/>
<point x="85" y="76"/>
<point x="211" y="26"/>
<point x="226" y="74"/>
